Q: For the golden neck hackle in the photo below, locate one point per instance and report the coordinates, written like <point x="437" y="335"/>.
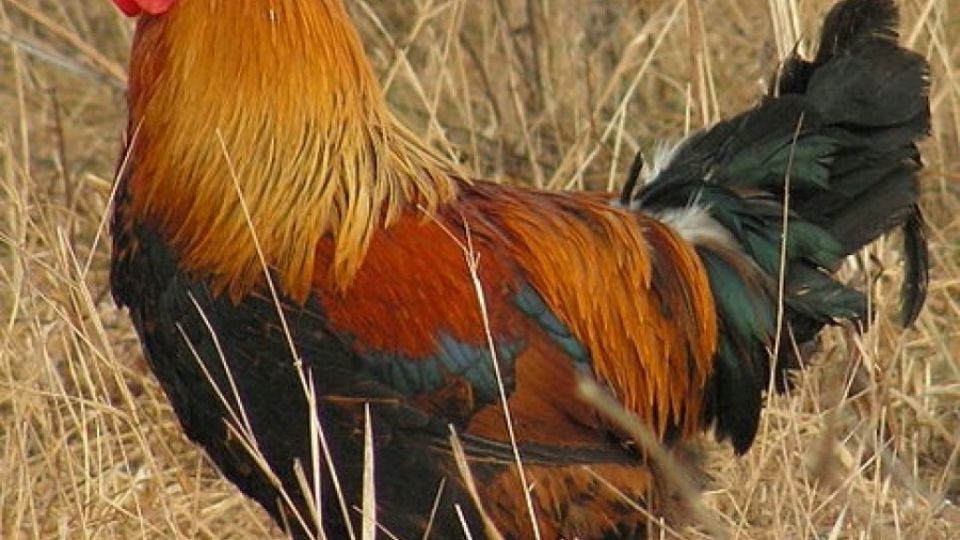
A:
<point x="274" y="101"/>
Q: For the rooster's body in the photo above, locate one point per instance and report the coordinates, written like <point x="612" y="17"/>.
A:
<point x="278" y="235"/>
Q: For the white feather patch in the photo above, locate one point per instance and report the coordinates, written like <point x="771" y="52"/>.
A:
<point x="662" y="157"/>
<point x="695" y="224"/>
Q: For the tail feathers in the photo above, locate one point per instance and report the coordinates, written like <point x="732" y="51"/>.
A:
<point x="916" y="269"/>
<point x="834" y="144"/>
<point x="874" y="95"/>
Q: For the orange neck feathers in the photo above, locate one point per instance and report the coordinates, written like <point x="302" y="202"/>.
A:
<point x="273" y="101"/>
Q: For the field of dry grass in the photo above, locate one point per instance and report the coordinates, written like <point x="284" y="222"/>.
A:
<point x="556" y="93"/>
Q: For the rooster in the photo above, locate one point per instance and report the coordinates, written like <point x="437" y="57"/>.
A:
<point x="324" y="299"/>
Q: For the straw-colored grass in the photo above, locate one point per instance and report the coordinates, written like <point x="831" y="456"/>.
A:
<point x="557" y="93"/>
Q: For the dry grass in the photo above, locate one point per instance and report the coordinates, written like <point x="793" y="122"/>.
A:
<point x="558" y="93"/>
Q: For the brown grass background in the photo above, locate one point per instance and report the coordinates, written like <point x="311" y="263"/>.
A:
<point x="556" y="93"/>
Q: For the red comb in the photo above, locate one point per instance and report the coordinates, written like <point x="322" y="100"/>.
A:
<point x="132" y="8"/>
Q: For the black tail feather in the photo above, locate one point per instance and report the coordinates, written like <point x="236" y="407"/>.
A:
<point x="916" y="270"/>
<point x="836" y="138"/>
